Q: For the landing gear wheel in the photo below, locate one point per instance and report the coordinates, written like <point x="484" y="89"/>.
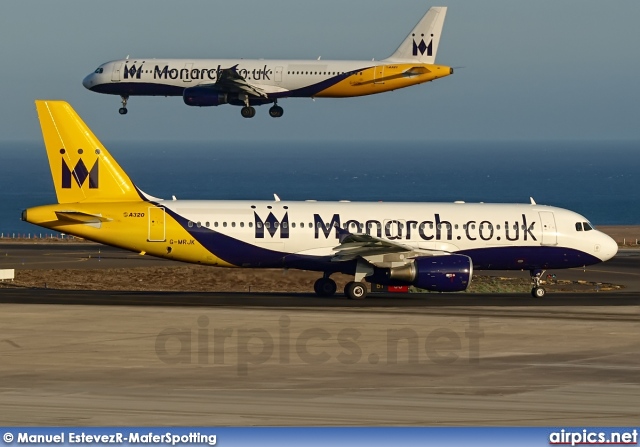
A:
<point x="248" y="112"/>
<point x="325" y="287"/>
<point x="536" y="278"/>
<point x="538" y="292"/>
<point x="123" y="109"/>
<point x="356" y="290"/>
<point x="276" y="111"/>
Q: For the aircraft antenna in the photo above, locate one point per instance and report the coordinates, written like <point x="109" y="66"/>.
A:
<point x="275" y="197"/>
<point x="533" y="202"/>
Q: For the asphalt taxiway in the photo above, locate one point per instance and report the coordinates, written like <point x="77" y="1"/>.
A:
<point x="178" y="358"/>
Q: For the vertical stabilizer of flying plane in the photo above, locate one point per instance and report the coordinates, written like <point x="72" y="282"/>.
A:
<point x="81" y="167"/>
<point x="421" y="44"/>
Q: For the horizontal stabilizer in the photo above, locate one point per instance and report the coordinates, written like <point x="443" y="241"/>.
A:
<point x="413" y="71"/>
<point x="78" y="217"/>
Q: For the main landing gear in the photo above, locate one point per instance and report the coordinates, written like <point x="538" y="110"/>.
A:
<point x="354" y="290"/>
<point x="123" y="109"/>
<point x="249" y="112"/>
<point x="325" y="286"/>
<point x="536" y="277"/>
<point x="276" y="111"/>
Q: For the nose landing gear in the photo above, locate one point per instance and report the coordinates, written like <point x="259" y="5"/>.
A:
<point x="123" y="109"/>
<point x="536" y="278"/>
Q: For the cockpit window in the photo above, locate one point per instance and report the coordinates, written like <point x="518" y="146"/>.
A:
<point x="98" y="70"/>
<point x="586" y="226"/>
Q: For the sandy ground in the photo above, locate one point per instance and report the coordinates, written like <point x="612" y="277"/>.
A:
<point x="196" y="278"/>
<point x="624" y="235"/>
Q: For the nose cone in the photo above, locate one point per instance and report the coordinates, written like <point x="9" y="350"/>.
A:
<point x="89" y="81"/>
<point x="606" y="247"/>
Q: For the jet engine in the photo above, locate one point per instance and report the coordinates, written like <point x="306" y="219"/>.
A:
<point x="203" y="97"/>
<point x="451" y="273"/>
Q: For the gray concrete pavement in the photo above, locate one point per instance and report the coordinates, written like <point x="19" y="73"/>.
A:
<point x="274" y="363"/>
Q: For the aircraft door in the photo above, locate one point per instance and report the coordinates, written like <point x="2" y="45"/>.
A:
<point x="115" y="74"/>
<point x="378" y="74"/>
<point x="156" y="225"/>
<point x="278" y="74"/>
<point x="549" y="231"/>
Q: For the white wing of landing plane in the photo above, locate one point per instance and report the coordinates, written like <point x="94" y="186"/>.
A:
<point x="253" y="82"/>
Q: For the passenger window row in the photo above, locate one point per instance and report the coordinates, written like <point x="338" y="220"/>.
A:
<point x="330" y="73"/>
<point x="370" y="225"/>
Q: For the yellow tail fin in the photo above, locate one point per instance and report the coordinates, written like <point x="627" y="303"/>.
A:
<point x="81" y="167"/>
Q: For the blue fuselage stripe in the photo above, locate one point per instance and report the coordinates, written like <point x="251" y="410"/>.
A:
<point x="159" y="89"/>
<point x="244" y="254"/>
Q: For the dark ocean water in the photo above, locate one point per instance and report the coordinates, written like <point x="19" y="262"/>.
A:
<point x="600" y="180"/>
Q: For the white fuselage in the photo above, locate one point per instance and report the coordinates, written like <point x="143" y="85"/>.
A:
<point x="277" y="78"/>
<point x="482" y="231"/>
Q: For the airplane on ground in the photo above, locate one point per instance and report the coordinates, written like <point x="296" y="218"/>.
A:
<point x="432" y="246"/>
<point x="254" y="82"/>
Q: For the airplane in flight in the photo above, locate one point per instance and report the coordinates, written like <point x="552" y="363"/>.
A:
<point x="432" y="246"/>
<point x="253" y="82"/>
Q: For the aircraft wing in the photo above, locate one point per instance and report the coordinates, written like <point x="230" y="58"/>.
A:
<point x="353" y="245"/>
<point x="229" y="81"/>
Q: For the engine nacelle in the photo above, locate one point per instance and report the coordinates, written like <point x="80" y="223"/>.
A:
<point x="450" y="273"/>
<point x="203" y="97"/>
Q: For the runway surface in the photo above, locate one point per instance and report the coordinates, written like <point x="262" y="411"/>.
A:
<point x="149" y="358"/>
